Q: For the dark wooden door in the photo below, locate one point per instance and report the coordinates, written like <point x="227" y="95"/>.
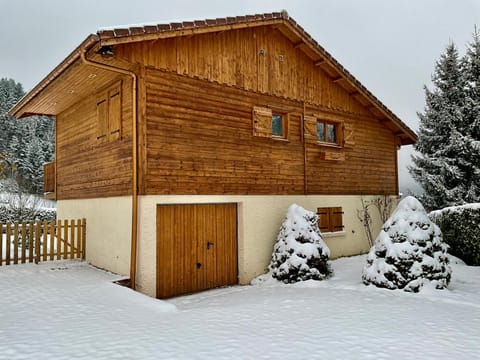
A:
<point x="196" y="247"/>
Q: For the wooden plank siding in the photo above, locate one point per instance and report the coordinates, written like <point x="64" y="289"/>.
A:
<point x="234" y="58"/>
<point x="200" y="141"/>
<point x="87" y="167"/>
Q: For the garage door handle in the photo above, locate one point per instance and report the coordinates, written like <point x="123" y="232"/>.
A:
<point x="209" y="245"/>
<point x="199" y="265"/>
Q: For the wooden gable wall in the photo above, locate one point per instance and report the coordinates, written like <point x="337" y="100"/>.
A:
<point x="259" y="59"/>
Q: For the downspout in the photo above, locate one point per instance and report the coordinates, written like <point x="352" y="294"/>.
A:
<point x="134" y="235"/>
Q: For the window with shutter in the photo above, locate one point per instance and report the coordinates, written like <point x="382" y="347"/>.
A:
<point x="109" y="114"/>
<point x="323" y="132"/>
<point x="330" y="219"/>
<point x="269" y="124"/>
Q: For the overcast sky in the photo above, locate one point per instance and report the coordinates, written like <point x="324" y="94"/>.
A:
<point x="389" y="45"/>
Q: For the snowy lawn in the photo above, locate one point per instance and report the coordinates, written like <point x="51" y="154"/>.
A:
<point x="69" y="310"/>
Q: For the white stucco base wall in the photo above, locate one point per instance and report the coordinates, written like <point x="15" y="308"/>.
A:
<point x="259" y="219"/>
<point x="108" y="230"/>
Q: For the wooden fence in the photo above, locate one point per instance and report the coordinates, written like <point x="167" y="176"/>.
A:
<point x="42" y="241"/>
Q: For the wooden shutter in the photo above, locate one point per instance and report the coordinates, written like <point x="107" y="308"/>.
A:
<point x="102" y="118"/>
<point x="114" y="113"/>
<point x="336" y="219"/>
<point x="348" y="139"/>
<point x="323" y="219"/>
<point x="330" y="219"/>
<point x="310" y="128"/>
<point x="262" y="122"/>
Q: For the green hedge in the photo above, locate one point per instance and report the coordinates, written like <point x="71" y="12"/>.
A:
<point x="461" y="231"/>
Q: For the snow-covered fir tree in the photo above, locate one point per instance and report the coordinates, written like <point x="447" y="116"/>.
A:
<point x="26" y="144"/>
<point x="448" y="163"/>
<point x="409" y="251"/>
<point x="300" y="252"/>
<point x="471" y="114"/>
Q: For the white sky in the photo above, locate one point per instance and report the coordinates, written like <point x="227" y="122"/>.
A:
<point x="389" y="45"/>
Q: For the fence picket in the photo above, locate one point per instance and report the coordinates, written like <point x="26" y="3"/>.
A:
<point x="24" y="242"/>
<point x="72" y="237"/>
<point x="59" y="239"/>
<point x="1" y="244"/>
<point x="79" y="239"/>
<point x="7" y="243"/>
<point x="30" y="242"/>
<point x="44" y="226"/>
<point x="15" y="242"/>
<point x="52" y="239"/>
<point x="65" y="239"/>
<point x="84" y="238"/>
<point x="37" y="242"/>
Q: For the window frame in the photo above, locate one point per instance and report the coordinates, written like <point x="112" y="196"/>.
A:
<point x="284" y="120"/>
<point x="338" y="126"/>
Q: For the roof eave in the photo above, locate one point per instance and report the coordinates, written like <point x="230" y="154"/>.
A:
<point x="18" y="110"/>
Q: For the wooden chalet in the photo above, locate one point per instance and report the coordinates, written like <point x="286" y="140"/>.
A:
<point x="183" y="145"/>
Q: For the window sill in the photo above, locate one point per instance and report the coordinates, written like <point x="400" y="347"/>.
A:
<point x="334" y="234"/>
<point x="277" y="138"/>
<point x="329" y="145"/>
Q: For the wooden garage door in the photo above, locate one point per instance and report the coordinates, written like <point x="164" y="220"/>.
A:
<point x="196" y="248"/>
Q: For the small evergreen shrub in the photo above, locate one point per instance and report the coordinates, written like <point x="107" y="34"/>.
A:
<point x="461" y="231"/>
<point x="300" y="252"/>
<point x="408" y="252"/>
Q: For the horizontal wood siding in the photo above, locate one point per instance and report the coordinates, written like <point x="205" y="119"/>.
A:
<point x="200" y="140"/>
<point x="86" y="167"/>
<point x="259" y="59"/>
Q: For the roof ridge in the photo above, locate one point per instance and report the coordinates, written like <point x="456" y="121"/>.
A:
<point x="152" y="28"/>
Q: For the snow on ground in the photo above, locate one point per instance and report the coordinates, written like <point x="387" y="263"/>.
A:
<point x="69" y="310"/>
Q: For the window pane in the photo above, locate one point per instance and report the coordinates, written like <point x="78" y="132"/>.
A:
<point x="331" y="133"/>
<point x="277" y="125"/>
<point x="320" y="131"/>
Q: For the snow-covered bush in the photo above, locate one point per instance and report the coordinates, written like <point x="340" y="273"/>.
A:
<point x="300" y="252"/>
<point x="25" y="207"/>
<point x="408" y="252"/>
<point x="460" y="226"/>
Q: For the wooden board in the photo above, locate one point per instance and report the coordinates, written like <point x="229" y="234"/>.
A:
<point x="196" y="248"/>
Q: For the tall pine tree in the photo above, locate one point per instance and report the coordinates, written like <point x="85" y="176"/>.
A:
<point x="440" y="166"/>
<point x="471" y="115"/>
